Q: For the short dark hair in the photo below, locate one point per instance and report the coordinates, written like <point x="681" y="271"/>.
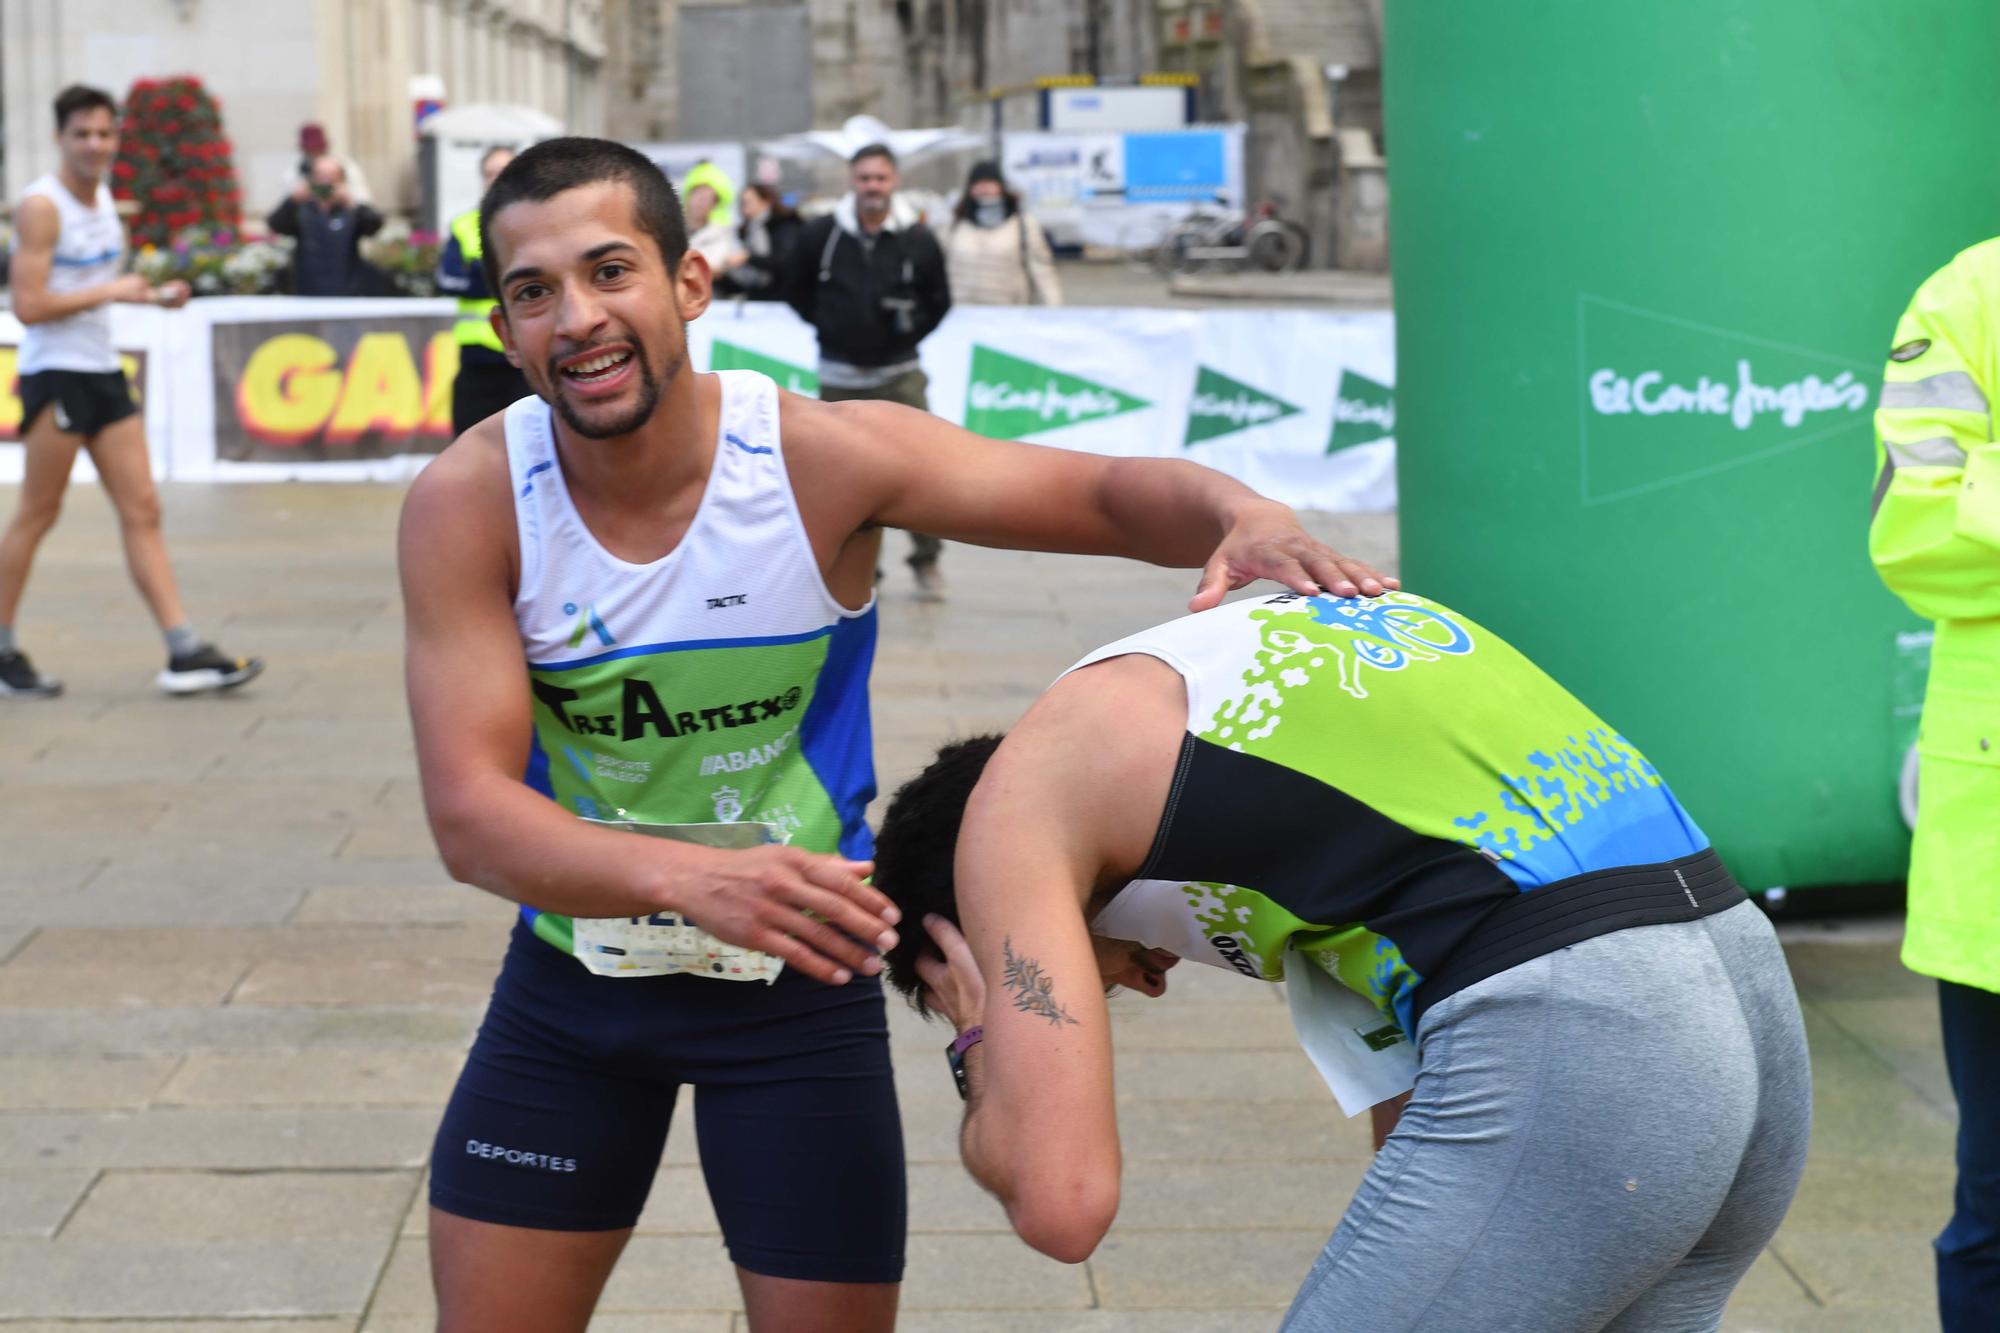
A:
<point x="915" y="850"/>
<point x="554" y="165"/>
<point x="80" y="97"/>
<point x="872" y="150"/>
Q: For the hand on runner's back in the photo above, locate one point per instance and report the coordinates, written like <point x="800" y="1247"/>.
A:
<point x="1268" y="543"/>
<point x="760" y="899"/>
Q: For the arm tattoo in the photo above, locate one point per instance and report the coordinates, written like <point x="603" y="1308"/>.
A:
<point x="1031" y="986"/>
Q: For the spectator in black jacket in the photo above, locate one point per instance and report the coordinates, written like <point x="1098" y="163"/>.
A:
<point x="768" y="234"/>
<point x="329" y="226"/>
<point x="870" y="278"/>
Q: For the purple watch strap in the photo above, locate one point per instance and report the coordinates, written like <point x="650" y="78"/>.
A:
<point x="967" y="1039"/>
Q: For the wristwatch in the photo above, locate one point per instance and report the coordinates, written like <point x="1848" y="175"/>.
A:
<point x="954" y="1055"/>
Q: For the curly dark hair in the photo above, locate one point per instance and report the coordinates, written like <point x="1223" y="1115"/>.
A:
<point x="914" y="854"/>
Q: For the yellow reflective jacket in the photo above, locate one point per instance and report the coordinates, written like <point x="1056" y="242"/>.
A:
<point x="475" y="326"/>
<point x="707" y="173"/>
<point x="1935" y="540"/>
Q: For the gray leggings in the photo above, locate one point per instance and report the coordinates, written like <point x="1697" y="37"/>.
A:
<point x="1602" y="1138"/>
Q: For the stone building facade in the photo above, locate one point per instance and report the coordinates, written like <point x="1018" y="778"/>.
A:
<point x="276" y="64"/>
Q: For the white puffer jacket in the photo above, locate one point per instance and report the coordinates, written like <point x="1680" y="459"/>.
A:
<point x="989" y="265"/>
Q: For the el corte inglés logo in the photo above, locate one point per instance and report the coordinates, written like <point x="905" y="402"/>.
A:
<point x="793" y="378"/>
<point x="1007" y="397"/>
<point x="1222" y="406"/>
<point x="1364" y="411"/>
<point x="1742" y="399"/>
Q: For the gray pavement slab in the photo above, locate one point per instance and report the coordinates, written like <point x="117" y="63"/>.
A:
<point x="203" y="981"/>
<point x="235" y="987"/>
<point x="421" y="1077"/>
<point x="210" y="1207"/>
<point x="35" y="1203"/>
<point x="120" y="1279"/>
<point x="82" y="1082"/>
<point x="1232" y="1269"/>
<point x="250" y="1027"/>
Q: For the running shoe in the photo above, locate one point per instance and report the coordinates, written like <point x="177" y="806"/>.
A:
<point x="205" y="670"/>
<point x="20" y="680"/>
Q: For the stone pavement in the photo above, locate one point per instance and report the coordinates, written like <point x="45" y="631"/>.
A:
<point x="235" y="988"/>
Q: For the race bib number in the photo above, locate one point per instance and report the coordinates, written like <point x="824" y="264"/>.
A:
<point x="663" y="944"/>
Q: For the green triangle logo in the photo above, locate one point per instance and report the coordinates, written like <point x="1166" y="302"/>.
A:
<point x="798" y="379"/>
<point x="1007" y="398"/>
<point x="1222" y="406"/>
<point x="1363" y="412"/>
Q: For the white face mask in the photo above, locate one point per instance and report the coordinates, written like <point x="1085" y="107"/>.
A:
<point x="989" y="212"/>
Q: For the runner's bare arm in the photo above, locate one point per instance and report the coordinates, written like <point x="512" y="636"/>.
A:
<point x="909" y="469"/>
<point x="37" y="225"/>
<point x="470" y="709"/>
<point x="1041" y="1129"/>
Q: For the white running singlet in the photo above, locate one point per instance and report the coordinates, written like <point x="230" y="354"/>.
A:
<point x="90" y="250"/>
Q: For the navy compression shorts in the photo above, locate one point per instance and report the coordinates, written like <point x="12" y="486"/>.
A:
<point x="561" y="1113"/>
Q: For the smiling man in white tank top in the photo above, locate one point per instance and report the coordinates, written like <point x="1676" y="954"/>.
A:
<point x="645" y="595"/>
<point x="69" y="250"/>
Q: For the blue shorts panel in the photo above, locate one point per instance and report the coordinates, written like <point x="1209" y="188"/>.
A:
<point x="561" y="1113"/>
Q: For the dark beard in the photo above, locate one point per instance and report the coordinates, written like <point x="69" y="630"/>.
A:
<point x="642" y="411"/>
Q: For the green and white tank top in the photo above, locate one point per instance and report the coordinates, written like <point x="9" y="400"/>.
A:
<point x="1367" y="781"/>
<point x="721" y="682"/>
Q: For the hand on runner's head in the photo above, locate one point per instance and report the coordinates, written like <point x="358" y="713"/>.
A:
<point x="953" y="985"/>
<point x="812" y="911"/>
<point x="1268" y="543"/>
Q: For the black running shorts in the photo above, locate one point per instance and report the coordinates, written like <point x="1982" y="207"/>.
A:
<point x="84" y="401"/>
<point x="561" y="1113"/>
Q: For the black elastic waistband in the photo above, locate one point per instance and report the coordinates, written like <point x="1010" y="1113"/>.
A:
<point x="1582" y="907"/>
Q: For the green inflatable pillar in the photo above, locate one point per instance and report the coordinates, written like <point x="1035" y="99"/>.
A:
<point x="1648" y="260"/>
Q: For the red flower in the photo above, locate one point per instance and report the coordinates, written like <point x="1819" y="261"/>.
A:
<point x="184" y="102"/>
<point x="122" y="171"/>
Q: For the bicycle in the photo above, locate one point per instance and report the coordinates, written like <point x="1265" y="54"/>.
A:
<point x="1227" y="238"/>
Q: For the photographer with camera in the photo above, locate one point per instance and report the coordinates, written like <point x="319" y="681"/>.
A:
<point x="329" y="224"/>
<point x="870" y="278"/>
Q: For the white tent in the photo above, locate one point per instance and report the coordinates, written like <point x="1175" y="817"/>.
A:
<point x="860" y="131"/>
<point x="454" y="140"/>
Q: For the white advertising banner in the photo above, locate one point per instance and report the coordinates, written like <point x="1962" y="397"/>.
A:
<point x="1123" y="190"/>
<point x="1298" y="405"/>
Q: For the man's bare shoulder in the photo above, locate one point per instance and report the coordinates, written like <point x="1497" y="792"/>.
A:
<point x="1097" y="752"/>
<point x="465" y="493"/>
<point x="470" y="470"/>
<point x="812" y="429"/>
<point x="36" y="221"/>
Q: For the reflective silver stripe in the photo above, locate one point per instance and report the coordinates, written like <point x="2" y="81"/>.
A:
<point x="1953" y="391"/>
<point x="1938" y="451"/>
<point x="1882" y="481"/>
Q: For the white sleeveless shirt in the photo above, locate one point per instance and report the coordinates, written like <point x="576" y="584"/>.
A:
<point x="721" y="682"/>
<point x="90" y="249"/>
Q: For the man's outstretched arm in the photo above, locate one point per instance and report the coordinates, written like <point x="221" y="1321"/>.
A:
<point x="902" y="468"/>
<point x="470" y="707"/>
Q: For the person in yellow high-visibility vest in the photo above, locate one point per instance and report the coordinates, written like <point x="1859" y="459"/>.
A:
<point x="715" y="178"/>
<point x="487" y="382"/>
<point x="1935" y="539"/>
